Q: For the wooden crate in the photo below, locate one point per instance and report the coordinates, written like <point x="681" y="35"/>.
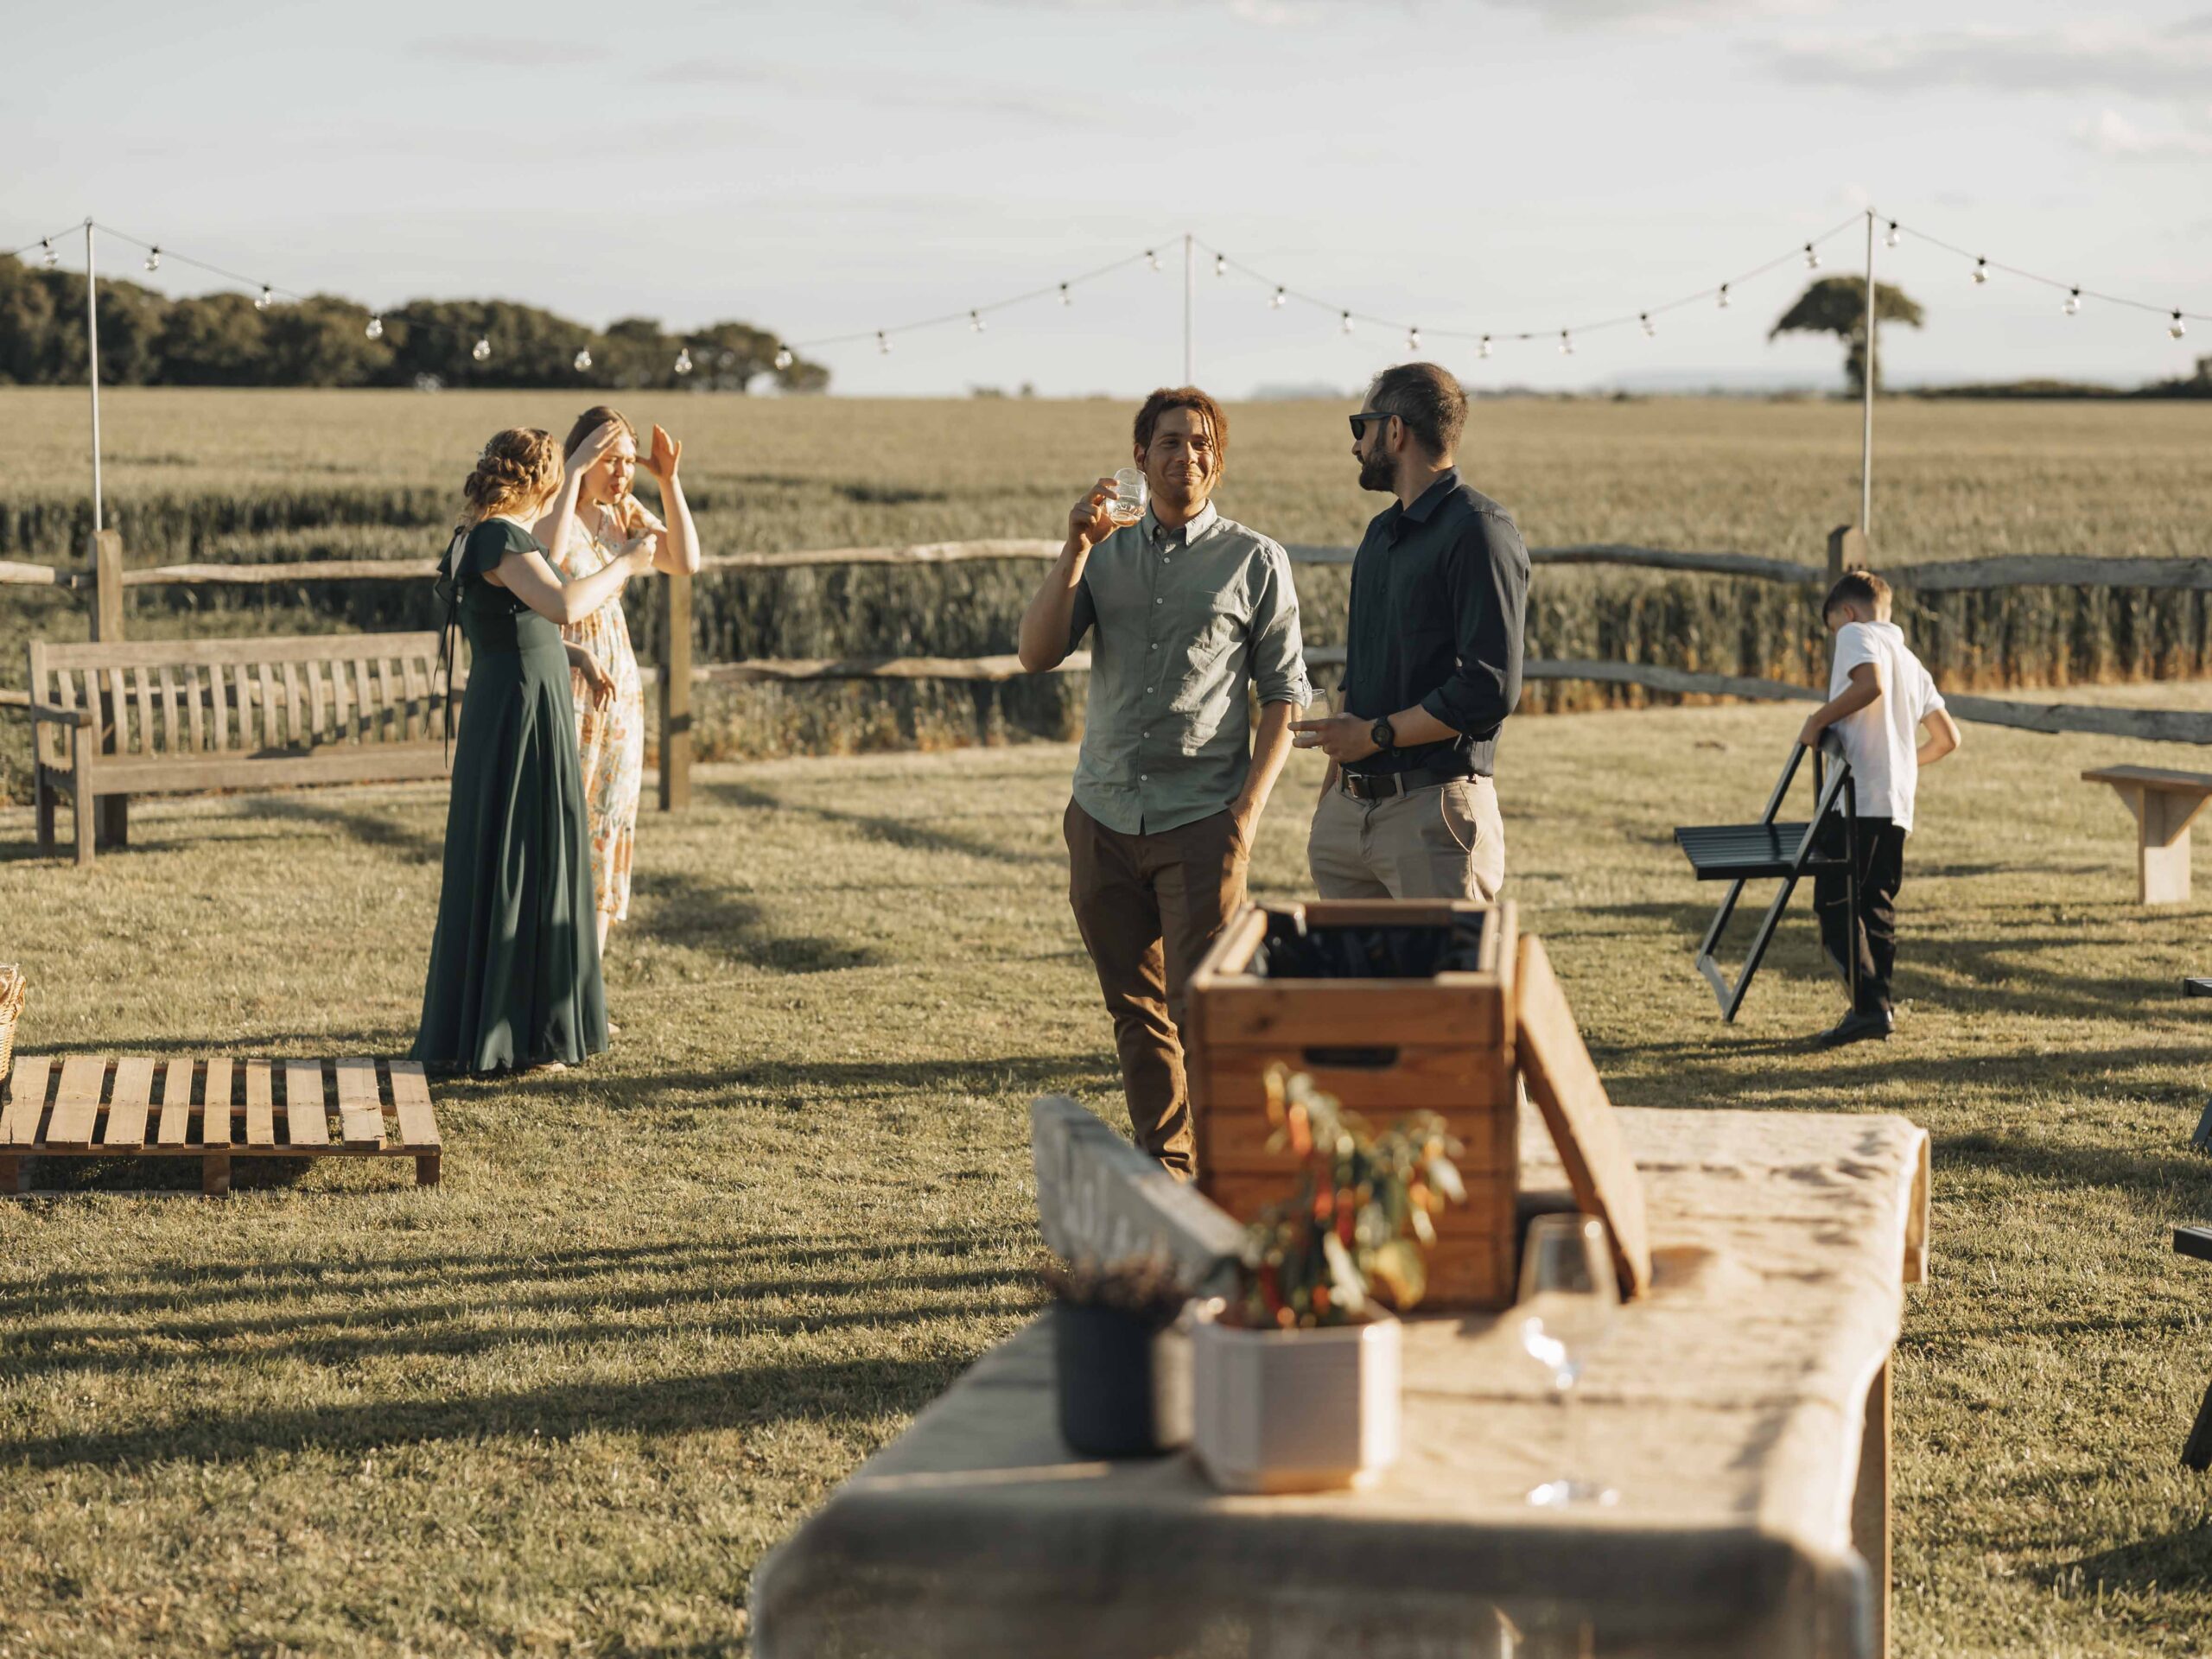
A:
<point x="1443" y="1044"/>
<point x="90" y="1106"/>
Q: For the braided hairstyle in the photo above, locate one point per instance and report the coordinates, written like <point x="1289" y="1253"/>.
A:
<point x="519" y="469"/>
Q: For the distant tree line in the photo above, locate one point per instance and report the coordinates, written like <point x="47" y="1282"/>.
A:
<point x="148" y="338"/>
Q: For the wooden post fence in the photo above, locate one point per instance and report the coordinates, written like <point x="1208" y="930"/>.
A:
<point x="111" y="816"/>
<point x="675" y="694"/>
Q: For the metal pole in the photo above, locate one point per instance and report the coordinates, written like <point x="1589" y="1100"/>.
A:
<point x="93" y="367"/>
<point x="1866" y="394"/>
<point x="1190" y="309"/>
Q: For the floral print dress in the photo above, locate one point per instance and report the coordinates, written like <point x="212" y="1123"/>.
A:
<point x="612" y="737"/>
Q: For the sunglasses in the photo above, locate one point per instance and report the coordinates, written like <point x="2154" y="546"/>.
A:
<point x="1358" y="431"/>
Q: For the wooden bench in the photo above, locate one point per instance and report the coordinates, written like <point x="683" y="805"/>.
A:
<point x="146" y="717"/>
<point x="2164" y="803"/>
<point x="89" y="1106"/>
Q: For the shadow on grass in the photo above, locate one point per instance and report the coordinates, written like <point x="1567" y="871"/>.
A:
<point x="370" y="828"/>
<point x="853" y="1390"/>
<point x="1033" y="1074"/>
<point x="2176" y="1560"/>
<point x="690" y="914"/>
<point x="900" y="832"/>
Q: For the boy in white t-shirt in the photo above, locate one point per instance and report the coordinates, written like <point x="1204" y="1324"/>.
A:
<point x="1879" y="697"/>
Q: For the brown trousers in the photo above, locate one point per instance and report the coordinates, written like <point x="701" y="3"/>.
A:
<point x="1149" y="906"/>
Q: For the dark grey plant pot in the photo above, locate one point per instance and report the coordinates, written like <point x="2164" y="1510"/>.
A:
<point x="1124" y="1388"/>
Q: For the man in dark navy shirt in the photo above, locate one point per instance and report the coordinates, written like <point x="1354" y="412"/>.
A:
<point x="1432" y="663"/>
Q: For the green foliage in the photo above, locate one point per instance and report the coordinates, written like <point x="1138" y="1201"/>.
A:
<point x="1346" y="1244"/>
<point x="1837" y="305"/>
<point x="222" y="340"/>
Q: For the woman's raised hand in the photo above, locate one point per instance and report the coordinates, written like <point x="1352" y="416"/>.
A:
<point x="594" y="447"/>
<point x="660" y="463"/>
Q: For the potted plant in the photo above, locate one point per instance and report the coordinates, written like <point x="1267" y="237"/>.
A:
<point x="1296" y="1381"/>
<point x="1124" y="1364"/>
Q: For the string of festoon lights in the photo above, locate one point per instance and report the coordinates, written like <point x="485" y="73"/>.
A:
<point x="1280" y="296"/>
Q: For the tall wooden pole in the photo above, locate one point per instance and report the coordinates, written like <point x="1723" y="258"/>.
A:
<point x="1190" y="309"/>
<point x="1867" y="397"/>
<point x="112" y="812"/>
<point x="93" y="366"/>
<point x="675" y="694"/>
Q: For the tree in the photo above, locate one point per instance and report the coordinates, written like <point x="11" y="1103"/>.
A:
<point x="1837" y="305"/>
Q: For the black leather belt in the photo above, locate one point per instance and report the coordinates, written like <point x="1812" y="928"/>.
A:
<point x="1385" y="785"/>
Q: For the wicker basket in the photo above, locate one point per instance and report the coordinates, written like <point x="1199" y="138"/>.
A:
<point x="11" y="1008"/>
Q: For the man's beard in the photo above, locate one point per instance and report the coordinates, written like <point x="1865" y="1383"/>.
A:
<point x="1375" y="473"/>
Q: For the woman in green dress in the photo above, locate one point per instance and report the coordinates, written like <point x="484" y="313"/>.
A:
<point x="514" y="976"/>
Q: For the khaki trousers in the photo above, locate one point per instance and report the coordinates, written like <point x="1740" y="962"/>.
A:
<point x="1149" y="906"/>
<point x="1444" y="841"/>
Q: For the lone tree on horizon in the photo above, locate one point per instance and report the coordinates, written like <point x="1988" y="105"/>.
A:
<point x="1837" y="305"/>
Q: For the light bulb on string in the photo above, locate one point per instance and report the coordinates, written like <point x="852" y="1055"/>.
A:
<point x="1066" y="298"/>
<point x="1566" y="343"/>
<point x="1724" y="296"/>
<point x="1278" y="300"/>
<point x="682" y="359"/>
<point x="2178" y="328"/>
<point x="1347" y="321"/>
<point x="1483" y="350"/>
<point x="1413" y="340"/>
<point x="975" y="322"/>
<point x="1650" y="330"/>
<point x="153" y="258"/>
<point x="1220" y="264"/>
<point x="883" y="343"/>
<point x="49" y="259"/>
<point x="2073" y="306"/>
<point x="583" y="359"/>
<point x="783" y="359"/>
<point x="481" y="351"/>
<point x="1981" y="270"/>
<point x="1152" y="258"/>
<point x="1891" y="237"/>
<point x="375" y="330"/>
<point x="1812" y="257"/>
<point x="267" y="299"/>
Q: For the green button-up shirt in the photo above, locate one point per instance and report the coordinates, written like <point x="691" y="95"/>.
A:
<point x="1185" y="620"/>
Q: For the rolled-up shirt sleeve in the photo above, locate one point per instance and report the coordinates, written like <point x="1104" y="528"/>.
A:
<point x="1275" y="653"/>
<point x="1488" y="583"/>
<point x="1084" y="614"/>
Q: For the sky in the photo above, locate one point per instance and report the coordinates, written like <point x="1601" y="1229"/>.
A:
<point x="840" y="166"/>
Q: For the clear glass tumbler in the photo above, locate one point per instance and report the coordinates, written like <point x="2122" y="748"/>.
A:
<point x="1130" y="496"/>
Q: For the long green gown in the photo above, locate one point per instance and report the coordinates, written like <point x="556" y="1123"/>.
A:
<point x="514" y="964"/>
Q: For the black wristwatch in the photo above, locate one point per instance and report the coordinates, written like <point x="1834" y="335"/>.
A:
<point x="1383" y="736"/>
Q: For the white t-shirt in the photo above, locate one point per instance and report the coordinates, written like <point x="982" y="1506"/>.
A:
<point x="1882" y="741"/>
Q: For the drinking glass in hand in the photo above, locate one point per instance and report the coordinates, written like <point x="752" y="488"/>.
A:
<point x="1568" y="1298"/>
<point x="1130" y="496"/>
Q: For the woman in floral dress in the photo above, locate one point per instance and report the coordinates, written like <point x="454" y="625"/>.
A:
<point x="610" y="525"/>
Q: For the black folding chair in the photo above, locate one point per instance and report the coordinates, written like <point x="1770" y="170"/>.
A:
<point x="1737" y="853"/>
<point x="2199" y="985"/>
<point x="2196" y="1451"/>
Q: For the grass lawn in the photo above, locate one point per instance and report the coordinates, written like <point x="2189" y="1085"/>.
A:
<point x="562" y="1402"/>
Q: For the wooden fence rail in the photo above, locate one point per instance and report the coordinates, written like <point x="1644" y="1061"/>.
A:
<point x="2011" y="571"/>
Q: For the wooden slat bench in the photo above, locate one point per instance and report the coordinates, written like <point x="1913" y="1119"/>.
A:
<point x="2164" y="803"/>
<point x="145" y="716"/>
<point x="90" y="1106"/>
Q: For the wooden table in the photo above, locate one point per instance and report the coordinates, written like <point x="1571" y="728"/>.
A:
<point x="1742" y="1408"/>
<point x="2165" y="803"/>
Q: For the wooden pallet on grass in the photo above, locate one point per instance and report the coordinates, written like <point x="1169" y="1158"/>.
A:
<point x="93" y="1106"/>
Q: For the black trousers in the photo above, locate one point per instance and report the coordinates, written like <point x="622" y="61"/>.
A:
<point x="1871" y="936"/>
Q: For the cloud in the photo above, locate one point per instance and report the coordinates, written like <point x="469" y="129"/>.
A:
<point x="502" y="52"/>
<point x="895" y="91"/>
<point x="1662" y="14"/>
<point x="2113" y="136"/>
<point x="2174" y="63"/>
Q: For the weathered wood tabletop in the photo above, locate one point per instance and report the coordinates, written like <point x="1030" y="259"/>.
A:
<point x="1730" y="1407"/>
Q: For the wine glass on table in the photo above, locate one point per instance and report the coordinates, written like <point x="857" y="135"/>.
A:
<point x="1568" y="1298"/>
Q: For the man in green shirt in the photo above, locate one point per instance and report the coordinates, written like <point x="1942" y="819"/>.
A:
<point x="1189" y="610"/>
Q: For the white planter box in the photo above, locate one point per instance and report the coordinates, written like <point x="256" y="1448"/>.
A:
<point x="1295" y="1411"/>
